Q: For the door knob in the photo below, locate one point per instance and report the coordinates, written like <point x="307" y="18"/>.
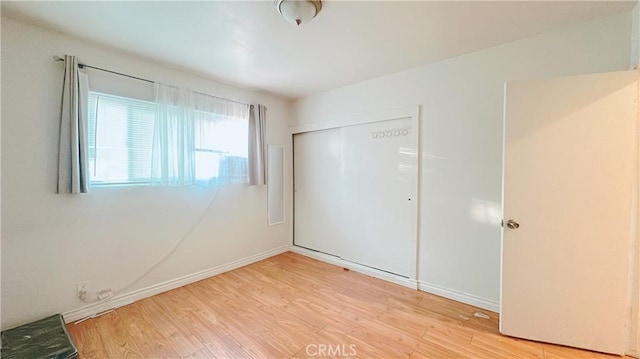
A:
<point x="512" y="224"/>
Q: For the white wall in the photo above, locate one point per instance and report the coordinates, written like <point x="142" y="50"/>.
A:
<point x="461" y="117"/>
<point x="111" y="235"/>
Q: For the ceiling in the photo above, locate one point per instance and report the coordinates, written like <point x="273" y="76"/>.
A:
<point x="248" y="44"/>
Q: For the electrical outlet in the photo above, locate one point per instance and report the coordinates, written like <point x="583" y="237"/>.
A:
<point x="83" y="290"/>
<point x="105" y="294"/>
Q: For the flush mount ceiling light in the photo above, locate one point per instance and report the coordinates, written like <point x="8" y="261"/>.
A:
<point x="298" y="12"/>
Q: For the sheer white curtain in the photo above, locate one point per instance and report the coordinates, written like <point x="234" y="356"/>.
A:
<point x="173" y="158"/>
<point x="73" y="165"/>
<point x="198" y="139"/>
<point x="221" y="128"/>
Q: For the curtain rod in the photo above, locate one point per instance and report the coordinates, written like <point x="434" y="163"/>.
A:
<point x="58" y="58"/>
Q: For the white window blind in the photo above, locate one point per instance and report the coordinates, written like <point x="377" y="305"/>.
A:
<point x="120" y="139"/>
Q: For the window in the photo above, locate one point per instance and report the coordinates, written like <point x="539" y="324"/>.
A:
<point x="221" y="148"/>
<point x="121" y="143"/>
<point x="120" y="139"/>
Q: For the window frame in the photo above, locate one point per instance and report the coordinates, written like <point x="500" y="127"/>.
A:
<point x="92" y="148"/>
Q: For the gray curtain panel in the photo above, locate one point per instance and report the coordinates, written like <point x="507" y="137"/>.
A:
<point x="73" y="176"/>
<point x="257" y="130"/>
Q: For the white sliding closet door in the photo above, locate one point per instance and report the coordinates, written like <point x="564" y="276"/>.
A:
<point x="317" y="218"/>
<point x="356" y="193"/>
<point x="381" y="175"/>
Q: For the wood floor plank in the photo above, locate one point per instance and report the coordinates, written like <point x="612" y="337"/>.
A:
<point x="203" y="353"/>
<point x="243" y="326"/>
<point x="219" y="343"/>
<point x="507" y="347"/>
<point x="309" y="313"/>
<point x="439" y="331"/>
<point x="418" y="355"/>
<point x="148" y="338"/>
<point x="178" y="337"/>
<point x="292" y="306"/>
<point x="87" y="339"/>
<point x="367" y="331"/>
<point x="118" y="342"/>
<point x="561" y="352"/>
<point x="332" y="337"/>
<point x="432" y="351"/>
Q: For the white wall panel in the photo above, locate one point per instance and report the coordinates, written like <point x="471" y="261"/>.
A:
<point x="275" y="184"/>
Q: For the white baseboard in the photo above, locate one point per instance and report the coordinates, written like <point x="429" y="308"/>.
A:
<point x="128" y="298"/>
<point x="460" y="296"/>
<point x="407" y="282"/>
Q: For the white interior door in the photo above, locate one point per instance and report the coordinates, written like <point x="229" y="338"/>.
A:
<point x="569" y="167"/>
<point x="356" y="193"/>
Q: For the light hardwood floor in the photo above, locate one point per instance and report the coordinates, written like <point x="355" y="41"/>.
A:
<point x="291" y="306"/>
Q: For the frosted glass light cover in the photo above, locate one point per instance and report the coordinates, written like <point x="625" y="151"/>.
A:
<point x="297" y="12"/>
